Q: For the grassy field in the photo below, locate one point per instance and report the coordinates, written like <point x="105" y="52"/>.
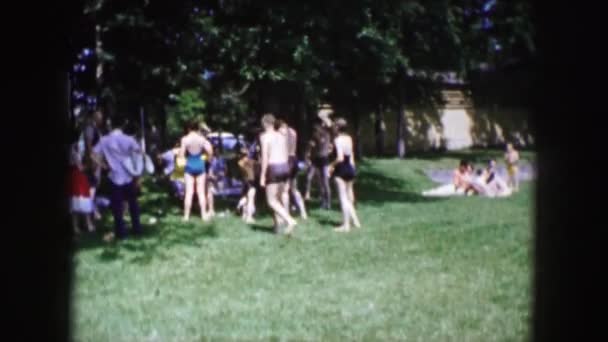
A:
<point x="420" y="269"/>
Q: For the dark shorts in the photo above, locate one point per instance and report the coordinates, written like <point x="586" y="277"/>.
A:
<point x="278" y="173"/>
<point x="293" y="167"/>
<point x="345" y="171"/>
<point x="320" y="162"/>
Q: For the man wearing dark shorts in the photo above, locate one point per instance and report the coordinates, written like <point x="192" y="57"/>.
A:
<point x="275" y="172"/>
<point x="292" y="191"/>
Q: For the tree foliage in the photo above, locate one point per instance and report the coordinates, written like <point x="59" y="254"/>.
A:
<point x="358" y="54"/>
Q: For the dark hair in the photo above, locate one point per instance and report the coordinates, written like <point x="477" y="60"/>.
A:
<point x="464" y="162"/>
<point x="279" y="123"/>
<point x="478" y="172"/>
<point x="191" y="126"/>
<point x="340" y="125"/>
<point x="119" y="121"/>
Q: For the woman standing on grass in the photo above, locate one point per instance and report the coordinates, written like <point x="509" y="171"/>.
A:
<point x="343" y="171"/>
<point x="192" y="147"/>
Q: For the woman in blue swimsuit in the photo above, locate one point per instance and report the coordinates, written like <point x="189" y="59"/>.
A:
<point x="344" y="172"/>
<point x="193" y="145"/>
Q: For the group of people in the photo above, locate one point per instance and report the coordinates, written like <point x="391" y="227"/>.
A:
<point x="98" y="155"/>
<point x="269" y="164"/>
<point x="484" y="182"/>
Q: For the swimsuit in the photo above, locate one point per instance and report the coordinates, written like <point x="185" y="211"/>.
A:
<point x="512" y="169"/>
<point x="195" y="166"/>
<point x="320" y="162"/>
<point x="345" y="169"/>
<point x="278" y="173"/>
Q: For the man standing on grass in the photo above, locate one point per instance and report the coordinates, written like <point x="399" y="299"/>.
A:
<point x="275" y="172"/>
<point x="292" y="143"/>
<point x="319" y="149"/>
<point x="110" y="152"/>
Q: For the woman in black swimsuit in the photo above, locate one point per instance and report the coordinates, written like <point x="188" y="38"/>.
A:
<point x="344" y="172"/>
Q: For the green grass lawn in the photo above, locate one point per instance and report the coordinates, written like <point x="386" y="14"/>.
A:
<point x="420" y="269"/>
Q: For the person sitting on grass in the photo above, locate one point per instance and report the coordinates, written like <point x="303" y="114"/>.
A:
<point x="460" y="185"/>
<point x="487" y="183"/>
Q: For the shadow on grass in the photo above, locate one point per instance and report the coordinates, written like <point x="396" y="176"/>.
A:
<point x="150" y="245"/>
<point x="376" y="189"/>
<point x="329" y="222"/>
<point x="261" y="228"/>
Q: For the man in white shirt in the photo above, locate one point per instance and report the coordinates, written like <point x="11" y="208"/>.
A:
<point x="110" y="152"/>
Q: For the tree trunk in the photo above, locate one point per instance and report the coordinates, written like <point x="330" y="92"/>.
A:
<point x="380" y="130"/>
<point x="401" y="124"/>
<point x="162" y="126"/>
<point x="357" y="127"/>
<point x="302" y="128"/>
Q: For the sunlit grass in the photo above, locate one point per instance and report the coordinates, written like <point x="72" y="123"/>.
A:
<point x="419" y="270"/>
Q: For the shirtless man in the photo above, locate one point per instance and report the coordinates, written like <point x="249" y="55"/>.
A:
<point x="292" y="143"/>
<point x="274" y="175"/>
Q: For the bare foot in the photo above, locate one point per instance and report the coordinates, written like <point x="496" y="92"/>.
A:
<point x="341" y="229"/>
<point x="185" y="219"/>
<point x="109" y="237"/>
<point x="91" y="228"/>
<point x="290" y="227"/>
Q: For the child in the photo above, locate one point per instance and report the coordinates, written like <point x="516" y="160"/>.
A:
<point x="81" y="202"/>
<point x="214" y="173"/>
<point x="246" y="204"/>
<point x="512" y="159"/>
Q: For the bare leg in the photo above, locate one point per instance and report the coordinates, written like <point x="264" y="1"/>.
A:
<point x="310" y="174"/>
<point x="344" y="204"/>
<point x="351" y="200"/>
<point x="325" y="187"/>
<point x="96" y="213"/>
<point x="75" y="223"/>
<point x="89" y="220"/>
<point x="297" y="196"/>
<point x="200" y="193"/>
<point x="189" y="182"/>
<point x="210" y="200"/>
<point x="273" y="193"/>
<point x="250" y="206"/>
<point x="285" y="196"/>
